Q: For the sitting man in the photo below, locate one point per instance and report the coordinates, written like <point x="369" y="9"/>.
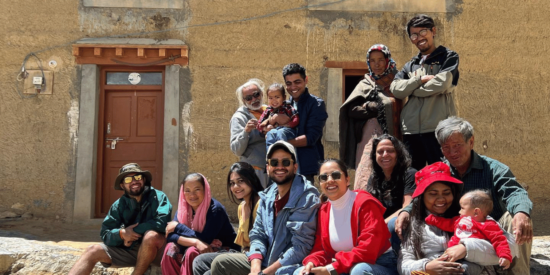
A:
<point x="133" y="230"/>
<point x="284" y="229"/>
<point x="511" y="204"/>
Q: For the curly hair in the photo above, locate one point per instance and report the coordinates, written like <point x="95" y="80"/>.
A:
<point x="378" y="186"/>
<point x="412" y="235"/>
<point x="248" y="175"/>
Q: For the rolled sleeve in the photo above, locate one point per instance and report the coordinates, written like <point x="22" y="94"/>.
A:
<point x="257" y="236"/>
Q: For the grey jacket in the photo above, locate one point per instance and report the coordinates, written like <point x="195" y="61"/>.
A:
<point x="432" y="101"/>
<point x="289" y="237"/>
<point x="250" y="147"/>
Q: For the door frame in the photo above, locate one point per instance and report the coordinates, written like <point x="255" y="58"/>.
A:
<point x="88" y="135"/>
<point x="101" y="117"/>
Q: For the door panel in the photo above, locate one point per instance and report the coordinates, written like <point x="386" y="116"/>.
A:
<point x="134" y="116"/>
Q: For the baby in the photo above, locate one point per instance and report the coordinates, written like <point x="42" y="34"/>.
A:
<point x="474" y="222"/>
<point x="279" y="116"/>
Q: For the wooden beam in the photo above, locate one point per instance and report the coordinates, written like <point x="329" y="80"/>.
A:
<point x="184" y="51"/>
<point x="141" y="52"/>
<point x="162" y="52"/>
<point x="347" y="64"/>
<point x="76" y="51"/>
<point x="97" y="51"/>
<point x="118" y="52"/>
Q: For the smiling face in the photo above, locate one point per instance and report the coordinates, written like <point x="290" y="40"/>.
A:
<point x="281" y="174"/>
<point x="386" y="156"/>
<point x="438" y="197"/>
<point x="254" y="103"/>
<point x="194" y="193"/>
<point x="238" y="187"/>
<point x="377" y="62"/>
<point x="333" y="189"/>
<point x="424" y="43"/>
<point x="458" y="152"/>
<point x="275" y="98"/>
<point x="295" y="85"/>
<point x="134" y="188"/>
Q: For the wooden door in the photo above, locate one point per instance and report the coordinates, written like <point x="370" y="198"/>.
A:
<point x="133" y="116"/>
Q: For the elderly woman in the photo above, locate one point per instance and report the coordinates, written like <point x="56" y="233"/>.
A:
<point x="351" y="236"/>
<point x="424" y="249"/>
<point x="246" y="141"/>
<point x="370" y="109"/>
<point x="200" y="225"/>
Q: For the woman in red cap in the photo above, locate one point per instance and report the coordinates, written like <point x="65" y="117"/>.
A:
<point x="424" y="246"/>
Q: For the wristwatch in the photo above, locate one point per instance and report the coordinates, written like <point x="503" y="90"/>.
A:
<point x="333" y="272"/>
<point x="261" y="273"/>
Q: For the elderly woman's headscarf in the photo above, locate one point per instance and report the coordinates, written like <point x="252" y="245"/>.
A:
<point x="185" y="211"/>
<point x="390" y="63"/>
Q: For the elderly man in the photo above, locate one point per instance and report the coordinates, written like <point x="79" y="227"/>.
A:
<point x="246" y="141"/>
<point x="512" y="206"/>
<point x="284" y="229"/>
<point x="133" y="230"/>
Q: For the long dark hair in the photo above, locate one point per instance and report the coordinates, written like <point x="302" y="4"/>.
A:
<point x="247" y="173"/>
<point x="412" y="235"/>
<point x="379" y="188"/>
<point x="341" y="165"/>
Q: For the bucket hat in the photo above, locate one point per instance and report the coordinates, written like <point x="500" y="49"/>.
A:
<point x="132" y="168"/>
<point x="438" y="171"/>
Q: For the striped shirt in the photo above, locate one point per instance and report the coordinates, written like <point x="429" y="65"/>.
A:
<point x="491" y="175"/>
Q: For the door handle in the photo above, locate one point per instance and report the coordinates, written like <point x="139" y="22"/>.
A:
<point x="113" y="142"/>
<point x="117" y="139"/>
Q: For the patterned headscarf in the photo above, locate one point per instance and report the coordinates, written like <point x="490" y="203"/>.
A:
<point x="390" y="64"/>
<point x="185" y="211"/>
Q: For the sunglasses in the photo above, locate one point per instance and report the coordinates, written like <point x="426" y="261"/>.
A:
<point x="275" y="162"/>
<point x="336" y="175"/>
<point x="254" y="95"/>
<point x="131" y="178"/>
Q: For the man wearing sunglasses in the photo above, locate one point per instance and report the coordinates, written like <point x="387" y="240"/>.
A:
<point x="428" y="80"/>
<point x="284" y="229"/>
<point x="246" y="141"/>
<point x="133" y="230"/>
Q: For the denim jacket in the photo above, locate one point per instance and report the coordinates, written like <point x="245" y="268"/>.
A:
<point x="290" y="237"/>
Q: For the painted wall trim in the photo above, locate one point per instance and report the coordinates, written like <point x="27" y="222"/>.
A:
<point x="334" y="101"/>
<point x="170" y="158"/>
<point x="424" y="6"/>
<point x="151" y="4"/>
<point x="86" y="156"/>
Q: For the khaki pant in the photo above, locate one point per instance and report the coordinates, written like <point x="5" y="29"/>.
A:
<point x="231" y="264"/>
<point x="520" y="265"/>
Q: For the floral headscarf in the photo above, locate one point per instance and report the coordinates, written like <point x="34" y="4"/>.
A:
<point x="390" y="63"/>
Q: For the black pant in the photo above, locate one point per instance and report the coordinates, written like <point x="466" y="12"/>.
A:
<point x="423" y="148"/>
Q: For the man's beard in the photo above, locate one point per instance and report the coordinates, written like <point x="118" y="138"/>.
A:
<point x="251" y="107"/>
<point x="284" y="181"/>
<point x="137" y="193"/>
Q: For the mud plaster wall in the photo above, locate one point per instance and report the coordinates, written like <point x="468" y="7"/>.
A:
<point x="501" y="91"/>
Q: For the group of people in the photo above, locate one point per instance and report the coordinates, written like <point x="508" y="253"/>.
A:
<point x="423" y="201"/>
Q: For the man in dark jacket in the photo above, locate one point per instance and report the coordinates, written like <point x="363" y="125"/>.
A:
<point x="428" y="81"/>
<point x="313" y="115"/>
<point x="133" y="230"/>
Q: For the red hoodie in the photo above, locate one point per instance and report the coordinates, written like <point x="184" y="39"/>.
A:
<point x="371" y="236"/>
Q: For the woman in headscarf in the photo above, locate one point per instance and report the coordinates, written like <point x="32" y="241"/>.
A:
<point x="200" y="225"/>
<point x="371" y="109"/>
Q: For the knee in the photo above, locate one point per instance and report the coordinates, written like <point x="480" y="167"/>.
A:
<point x="361" y="269"/>
<point x="218" y="265"/>
<point x="153" y="238"/>
<point x="94" y="253"/>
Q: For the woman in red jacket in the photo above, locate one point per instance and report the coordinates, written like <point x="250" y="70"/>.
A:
<point x="350" y="229"/>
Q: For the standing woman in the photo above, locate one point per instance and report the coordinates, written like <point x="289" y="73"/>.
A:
<point x="200" y="225"/>
<point x="350" y="229"/>
<point x="243" y="187"/>
<point x="371" y="109"/>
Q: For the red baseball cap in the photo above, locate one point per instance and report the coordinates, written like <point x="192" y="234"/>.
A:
<point x="438" y="171"/>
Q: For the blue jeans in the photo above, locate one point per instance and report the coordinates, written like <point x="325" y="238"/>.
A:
<point x="394" y="239"/>
<point x="279" y="133"/>
<point x="385" y="265"/>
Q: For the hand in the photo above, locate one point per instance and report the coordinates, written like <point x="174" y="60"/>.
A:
<point x="170" y="227"/>
<point x="129" y="235"/>
<point x="128" y="243"/>
<point x="251" y="125"/>
<point x="440" y="266"/>
<point x="523" y="228"/>
<point x="273" y="119"/>
<point x="456" y="252"/>
<point x="307" y="268"/>
<point x="216" y="243"/>
<point x="401" y="223"/>
<point x="504" y="263"/>
<point x="202" y="247"/>
<point x="320" y="271"/>
<point x="426" y="78"/>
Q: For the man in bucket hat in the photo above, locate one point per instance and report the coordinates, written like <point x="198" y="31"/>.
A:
<point x="133" y="230"/>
